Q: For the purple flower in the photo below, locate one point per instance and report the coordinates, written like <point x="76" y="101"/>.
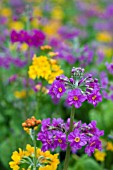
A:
<point x="14" y="36"/>
<point x="77" y="140"/>
<point x="60" y="140"/>
<point x="94" y="130"/>
<point x="95" y="97"/>
<point x="57" y="89"/>
<point x="93" y="143"/>
<point x="45" y="124"/>
<point x="75" y="97"/>
<point x="110" y="67"/>
<point x="47" y="139"/>
<point x="104" y="79"/>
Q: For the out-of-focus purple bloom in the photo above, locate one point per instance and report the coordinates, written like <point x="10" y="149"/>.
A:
<point x="77" y="140"/>
<point x="104" y="80"/>
<point x="75" y="97"/>
<point x="14" y="36"/>
<point x="94" y="97"/>
<point x="34" y="38"/>
<point x="12" y="78"/>
<point x="94" y="143"/>
<point x="68" y="33"/>
<point x="110" y="67"/>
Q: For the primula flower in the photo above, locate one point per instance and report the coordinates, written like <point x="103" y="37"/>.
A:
<point x="94" y="97"/>
<point x="57" y="89"/>
<point x="46" y="160"/>
<point x="43" y="67"/>
<point x="75" y="97"/>
<point x="93" y="143"/>
<point x="77" y="140"/>
<point x="56" y="133"/>
<point x="78" y="88"/>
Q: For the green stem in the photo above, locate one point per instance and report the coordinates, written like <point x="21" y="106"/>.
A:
<point x="34" y="143"/>
<point x="66" y="162"/>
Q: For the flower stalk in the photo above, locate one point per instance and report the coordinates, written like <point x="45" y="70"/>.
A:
<point x="66" y="162"/>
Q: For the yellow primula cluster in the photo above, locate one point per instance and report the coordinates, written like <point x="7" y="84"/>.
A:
<point x="99" y="156"/>
<point x="44" y="67"/>
<point x="46" y="158"/>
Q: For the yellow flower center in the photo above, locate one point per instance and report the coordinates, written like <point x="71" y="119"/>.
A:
<point x="60" y="89"/>
<point x="59" y="140"/>
<point x="77" y="139"/>
<point x="75" y="98"/>
<point x="94" y="97"/>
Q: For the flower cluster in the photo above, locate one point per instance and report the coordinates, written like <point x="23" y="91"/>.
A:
<point x="45" y="160"/>
<point x="78" y="88"/>
<point x="34" y="38"/>
<point x="44" y="67"/>
<point x="57" y="134"/>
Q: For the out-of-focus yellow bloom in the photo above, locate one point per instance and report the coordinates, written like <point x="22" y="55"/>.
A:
<point x="37" y="12"/>
<point x="52" y="28"/>
<point x="104" y="37"/>
<point x="51" y="161"/>
<point x="52" y="54"/>
<point x="109" y="146"/>
<point x="20" y="94"/>
<point x="16" y="25"/>
<point x="57" y="13"/>
<point x="99" y="156"/>
<point x="6" y="12"/>
<point x="34" y="23"/>
<point x="45" y="68"/>
<point x="24" y="47"/>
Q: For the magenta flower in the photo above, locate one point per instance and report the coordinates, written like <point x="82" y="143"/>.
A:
<point x="14" y="36"/>
<point x="95" y="97"/>
<point x="110" y="67"/>
<point x="75" y="97"/>
<point x="57" y="89"/>
<point x="77" y="140"/>
<point x="94" y="143"/>
<point x="60" y="140"/>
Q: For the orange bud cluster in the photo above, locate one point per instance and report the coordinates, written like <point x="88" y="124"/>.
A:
<point x="46" y="47"/>
<point x="31" y="122"/>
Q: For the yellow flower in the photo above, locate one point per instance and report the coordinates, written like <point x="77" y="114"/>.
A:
<point x="57" y="13"/>
<point x="45" y="68"/>
<point x="104" y="37"/>
<point x="24" y="47"/>
<point x="40" y="68"/>
<point x="16" y="25"/>
<point x="99" y="156"/>
<point x="29" y="150"/>
<point x="20" y="94"/>
<point x="52" y="28"/>
<point x="6" y="12"/>
<point x="109" y="146"/>
<point x="45" y="158"/>
<point x="52" y="161"/>
<point x="16" y="157"/>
